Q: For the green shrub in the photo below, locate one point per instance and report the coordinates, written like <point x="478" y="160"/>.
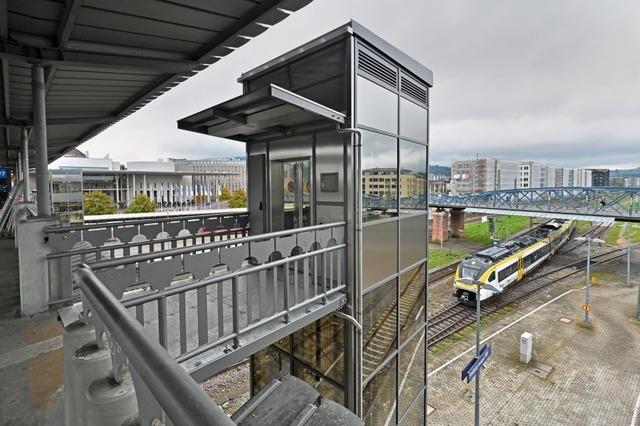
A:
<point x="239" y="199"/>
<point x="141" y="203"/>
<point x="97" y="202"/>
<point x="225" y="194"/>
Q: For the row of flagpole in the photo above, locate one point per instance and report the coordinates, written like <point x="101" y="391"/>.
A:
<point x="186" y="194"/>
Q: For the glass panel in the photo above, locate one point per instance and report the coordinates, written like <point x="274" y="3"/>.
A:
<point x="379" y="252"/>
<point x="413" y="177"/>
<point x="323" y="386"/>
<point x="379" y="325"/>
<point x="268" y="364"/>
<point x="379" y="176"/>
<point x="321" y="345"/>
<point x="413" y="239"/>
<point x="412" y="300"/>
<point x="376" y="106"/>
<point x="291" y="194"/>
<point x="415" y="415"/>
<point x="413" y="120"/>
<point x="411" y="371"/>
<point x="379" y="397"/>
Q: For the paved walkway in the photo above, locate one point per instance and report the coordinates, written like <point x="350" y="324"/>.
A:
<point x="595" y="373"/>
<point x="31" y="372"/>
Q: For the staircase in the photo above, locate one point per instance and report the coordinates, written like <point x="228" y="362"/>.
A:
<point x="288" y="400"/>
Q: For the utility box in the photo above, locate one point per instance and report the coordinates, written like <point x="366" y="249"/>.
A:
<point x="526" y="347"/>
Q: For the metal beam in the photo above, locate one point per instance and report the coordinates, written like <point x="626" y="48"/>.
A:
<point x="53" y="56"/>
<point x="62" y="121"/>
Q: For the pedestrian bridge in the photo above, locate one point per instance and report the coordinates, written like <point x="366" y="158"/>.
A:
<point x="596" y="203"/>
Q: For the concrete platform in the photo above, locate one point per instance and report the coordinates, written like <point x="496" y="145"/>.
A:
<point x="31" y="371"/>
<point x="592" y="375"/>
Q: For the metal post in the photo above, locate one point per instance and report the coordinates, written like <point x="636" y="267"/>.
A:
<point x="40" y="139"/>
<point x="477" y="408"/>
<point x="586" y="293"/>
<point x="638" y="302"/>
<point x="628" y="254"/>
<point x="26" y="186"/>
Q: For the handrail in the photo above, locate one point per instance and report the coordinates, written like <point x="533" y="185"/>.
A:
<point x="110" y="263"/>
<point x="145" y="298"/>
<point x="102" y="248"/>
<point x="5" y="214"/>
<point x="180" y="397"/>
<point x="124" y="221"/>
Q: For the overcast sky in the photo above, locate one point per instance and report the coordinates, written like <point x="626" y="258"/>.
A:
<point x="549" y="80"/>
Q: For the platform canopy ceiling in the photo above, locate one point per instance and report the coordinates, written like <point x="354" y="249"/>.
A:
<point x="106" y="59"/>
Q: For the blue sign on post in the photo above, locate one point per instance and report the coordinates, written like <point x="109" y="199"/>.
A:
<point x="471" y="369"/>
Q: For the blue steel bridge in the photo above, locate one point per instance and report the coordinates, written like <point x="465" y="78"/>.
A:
<point x="621" y="204"/>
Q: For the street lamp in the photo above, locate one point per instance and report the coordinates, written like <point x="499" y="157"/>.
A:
<point x="586" y="306"/>
<point x="478" y="284"/>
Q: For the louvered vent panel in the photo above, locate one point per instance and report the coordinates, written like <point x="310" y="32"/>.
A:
<point x="377" y="69"/>
<point x="412" y="90"/>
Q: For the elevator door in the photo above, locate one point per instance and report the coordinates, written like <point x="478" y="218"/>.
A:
<point x="290" y="194"/>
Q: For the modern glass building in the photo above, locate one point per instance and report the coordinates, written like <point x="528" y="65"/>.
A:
<point x="337" y="130"/>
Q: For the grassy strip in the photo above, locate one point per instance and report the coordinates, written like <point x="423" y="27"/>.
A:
<point x="613" y="233"/>
<point x="505" y="227"/>
<point x="469" y="330"/>
<point x="438" y="257"/>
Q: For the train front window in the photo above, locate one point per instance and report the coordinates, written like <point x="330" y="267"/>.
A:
<point x="467" y="272"/>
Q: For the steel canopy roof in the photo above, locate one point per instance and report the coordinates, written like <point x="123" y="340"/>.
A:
<point x="266" y="112"/>
<point x="105" y="60"/>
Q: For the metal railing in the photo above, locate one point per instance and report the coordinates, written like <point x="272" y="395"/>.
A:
<point x="181" y="398"/>
<point x="620" y="203"/>
<point x="212" y="305"/>
<point x="7" y="224"/>
<point x="63" y="238"/>
<point x="89" y="243"/>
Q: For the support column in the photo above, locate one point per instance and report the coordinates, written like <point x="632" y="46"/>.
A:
<point x="457" y="223"/>
<point x="40" y="139"/>
<point x="26" y="186"/>
<point x="440" y="226"/>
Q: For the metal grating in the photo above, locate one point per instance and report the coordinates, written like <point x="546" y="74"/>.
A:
<point x="413" y="90"/>
<point x="377" y="69"/>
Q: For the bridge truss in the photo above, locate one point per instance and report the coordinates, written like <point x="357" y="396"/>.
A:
<point x="621" y="204"/>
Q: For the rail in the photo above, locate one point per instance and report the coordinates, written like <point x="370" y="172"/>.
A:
<point x="6" y="214"/>
<point x="307" y="262"/>
<point x="72" y="245"/>
<point x="63" y="238"/>
<point x="181" y="398"/>
<point x="209" y="321"/>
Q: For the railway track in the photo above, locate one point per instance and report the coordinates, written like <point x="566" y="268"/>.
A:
<point x="451" y="319"/>
<point x="595" y="231"/>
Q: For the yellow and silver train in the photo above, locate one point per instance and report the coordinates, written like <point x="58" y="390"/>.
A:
<point x="500" y="266"/>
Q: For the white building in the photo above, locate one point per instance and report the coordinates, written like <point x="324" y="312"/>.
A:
<point x="159" y="180"/>
<point x="529" y="175"/>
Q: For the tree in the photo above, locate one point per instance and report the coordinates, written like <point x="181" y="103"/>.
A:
<point x="239" y="199"/>
<point x="225" y="194"/>
<point x="141" y="203"/>
<point x="97" y="202"/>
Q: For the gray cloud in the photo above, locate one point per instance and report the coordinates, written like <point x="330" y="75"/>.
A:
<point x="545" y="80"/>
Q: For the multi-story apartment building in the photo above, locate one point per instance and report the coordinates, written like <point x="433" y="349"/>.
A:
<point x="491" y="174"/>
<point x="600" y="177"/>
<point x="529" y="174"/>
<point x="381" y="182"/>
<point x="483" y="174"/>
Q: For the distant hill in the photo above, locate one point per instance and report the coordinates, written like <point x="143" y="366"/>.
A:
<point x="625" y="172"/>
<point x="434" y="169"/>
